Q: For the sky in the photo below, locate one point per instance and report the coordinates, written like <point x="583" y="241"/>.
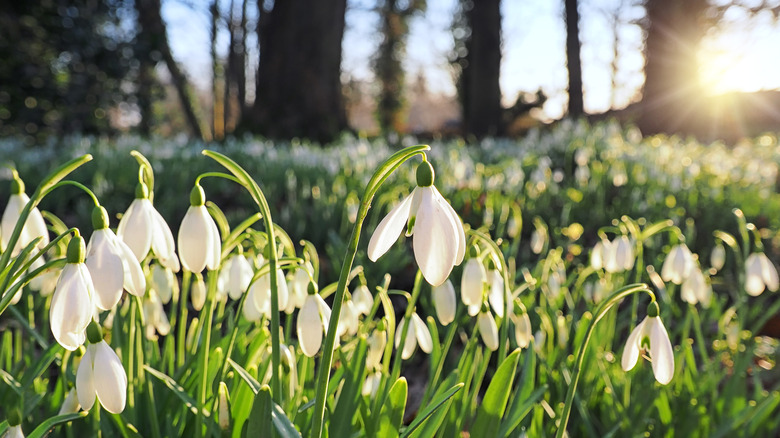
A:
<point x="533" y="49"/>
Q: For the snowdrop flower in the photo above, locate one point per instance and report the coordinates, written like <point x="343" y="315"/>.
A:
<point x="650" y="336"/>
<point x="33" y="227"/>
<point x="598" y="253"/>
<point x="718" y="256"/>
<point x="72" y="304"/>
<point x="111" y="264"/>
<point x="760" y="274"/>
<point x="142" y="228"/>
<point x="71" y="403"/>
<point x="444" y="302"/>
<point x="496" y="293"/>
<point x="239" y="275"/>
<point x="155" y="317"/>
<point x="100" y="375"/>
<point x="538" y="238"/>
<point x="348" y="320"/>
<point x="620" y="255"/>
<point x="15" y="425"/>
<point x="199" y="242"/>
<point x="488" y="329"/>
<point x="416" y="334"/>
<point x="439" y="240"/>
<point x="696" y="289"/>
<point x="16" y="431"/>
<point x="46" y="281"/>
<point x="363" y="299"/>
<point x="297" y="287"/>
<point x="472" y="282"/>
<point x="377" y="341"/>
<point x="260" y="293"/>
<point x="164" y="282"/>
<point x="312" y="323"/>
<point x="198" y="293"/>
<point x="678" y="264"/>
<point x="371" y="384"/>
<point x="523" y="331"/>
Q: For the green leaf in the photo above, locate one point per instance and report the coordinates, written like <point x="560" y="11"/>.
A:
<point x="177" y="389"/>
<point x="259" y="422"/>
<point x="392" y="414"/>
<point x="523" y="399"/>
<point x="434" y="405"/>
<point x="347" y="403"/>
<point x="47" y="426"/>
<point x="517" y="413"/>
<point x="244" y="374"/>
<point x="494" y="403"/>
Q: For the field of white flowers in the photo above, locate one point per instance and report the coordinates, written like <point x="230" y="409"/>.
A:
<point x="582" y="280"/>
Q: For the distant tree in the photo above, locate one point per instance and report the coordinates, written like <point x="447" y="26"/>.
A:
<point x="394" y="16"/>
<point x="63" y="64"/>
<point x="573" y="62"/>
<point x="477" y="60"/>
<point x="298" y="91"/>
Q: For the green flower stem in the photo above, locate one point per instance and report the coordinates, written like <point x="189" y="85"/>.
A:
<point x="700" y="339"/>
<point x="323" y="376"/>
<point x="203" y="363"/>
<point x="181" y="336"/>
<point x="68" y="182"/>
<point x="257" y="195"/>
<point x="600" y="312"/>
<point x="504" y="332"/>
<point x="405" y="329"/>
<point x="53" y="178"/>
<point x="145" y="172"/>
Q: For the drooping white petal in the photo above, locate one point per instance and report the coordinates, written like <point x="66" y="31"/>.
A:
<point x="410" y="343"/>
<point x="769" y="273"/>
<point x="363" y="299"/>
<point x="71" y="403"/>
<point x="496" y="295"/>
<point x="85" y="382"/>
<point x="597" y="255"/>
<point x="488" y="330"/>
<point x="72" y="306"/>
<point x="473" y="309"/>
<point x="134" y="279"/>
<point x="198" y="293"/>
<point x="631" y="351"/>
<point x="14" y="432"/>
<point x="661" y="351"/>
<point x="523" y="330"/>
<point x="444" y="302"/>
<point x="162" y="240"/>
<point x="371" y="384"/>
<point x="110" y="379"/>
<point x="423" y="334"/>
<point x="471" y="282"/>
<point x="461" y="233"/>
<point x="377" y="341"/>
<point x="324" y="313"/>
<point x="754" y="281"/>
<point x="309" y="327"/>
<point x="215" y="247"/>
<point x="435" y="240"/>
<point x="251" y="311"/>
<point x="718" y="257"/>
<point x="33" y="227"/>
<point x="389" y="229"/>
<point x="135" y="228"/>
<point x="195" y="240"/>
<point x="239" y="277"/>
<point x="624" y="253"/>
<point x="106" y="269"/>
<point x="164" y="282"/>
<point x="37" y="227"/>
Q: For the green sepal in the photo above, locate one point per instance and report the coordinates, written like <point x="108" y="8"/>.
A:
<point x="197" y="196"/>
<point x="14" y="417"/>
<point x="141" y="191"/>
<point x="425" y="174"/>
<point x="17" y="185"/>
<point x="76" y="249"/>
<point x="99" y="218"/>
<point x="652" y="309"/>
<point x="94" y="333"/>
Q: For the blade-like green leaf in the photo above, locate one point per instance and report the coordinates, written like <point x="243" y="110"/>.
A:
<point x="177" y="389"/>
<point x="46" y="427"/>
<point x="494" y="403"/>
<point x="259" y="422"/>
<point x="392" y="414"/>
<point x="432" y="408"/>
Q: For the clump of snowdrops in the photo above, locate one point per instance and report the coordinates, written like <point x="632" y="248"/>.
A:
<point x="226" y="329"/>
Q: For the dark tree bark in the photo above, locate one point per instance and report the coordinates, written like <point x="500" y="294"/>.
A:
<point x="152" y="27"/>
<point x="298" y="79"/>
<point x="479" y="87"/>
<point x="217" y="108"/>
<point x="671" y="91"/>
<point x="573" y="62"/>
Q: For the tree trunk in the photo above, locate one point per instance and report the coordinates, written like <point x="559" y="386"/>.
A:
<point x="671" y="91"/>
<point x="298" y="79"/>
<point x="217" y="109"/>
<point x="573" y="59"/>
<point x="480" y="89"/>
<point x="153" y="27"/>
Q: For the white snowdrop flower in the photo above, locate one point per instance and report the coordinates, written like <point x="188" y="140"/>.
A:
<point x="46" y="281"/>
<point x="348" y="320"/>
<point x="164" y="282"/>
<point x="72" y="305"/>
<point x="554" y="287"/>
<point x="34" y="226"/>
<point x="488" y="329"/>
<point x="538" y="238"/>
<point x="496" y="293"/>
<point x="297" y="287"/>
<point x="142" y="228"/>
<point x="200" y="246"/>
<point x="718" y="256"/>
<point x="696" y="289"/>
<point x="239" y="276"/>
<point x="260" y="292"/>
<point x="598" y="253"/>
<point x="650" y="336"/>
<point x="312" y="323"/>
<point x="371" y="384"/>
<point x="198" y="293"/>
<point x="678" y="264"/>
<point x="16" y="431"/>
<point x="417" y="333"/>
<point x="472" y="282"/>
<point x="760" y="274"/>
<point x="100" y="375"/>
<point x="71" y="403"/>
<point x="620" y="255"/>
<point x="111" y="264"/>
<point x="439" y="239"/>
<point x="377" y="341"/>
<point x="444" y="302"/>
<point x="155" y="317"/>
<point x="523" y="330"/>
<point x="363" y="299"/>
